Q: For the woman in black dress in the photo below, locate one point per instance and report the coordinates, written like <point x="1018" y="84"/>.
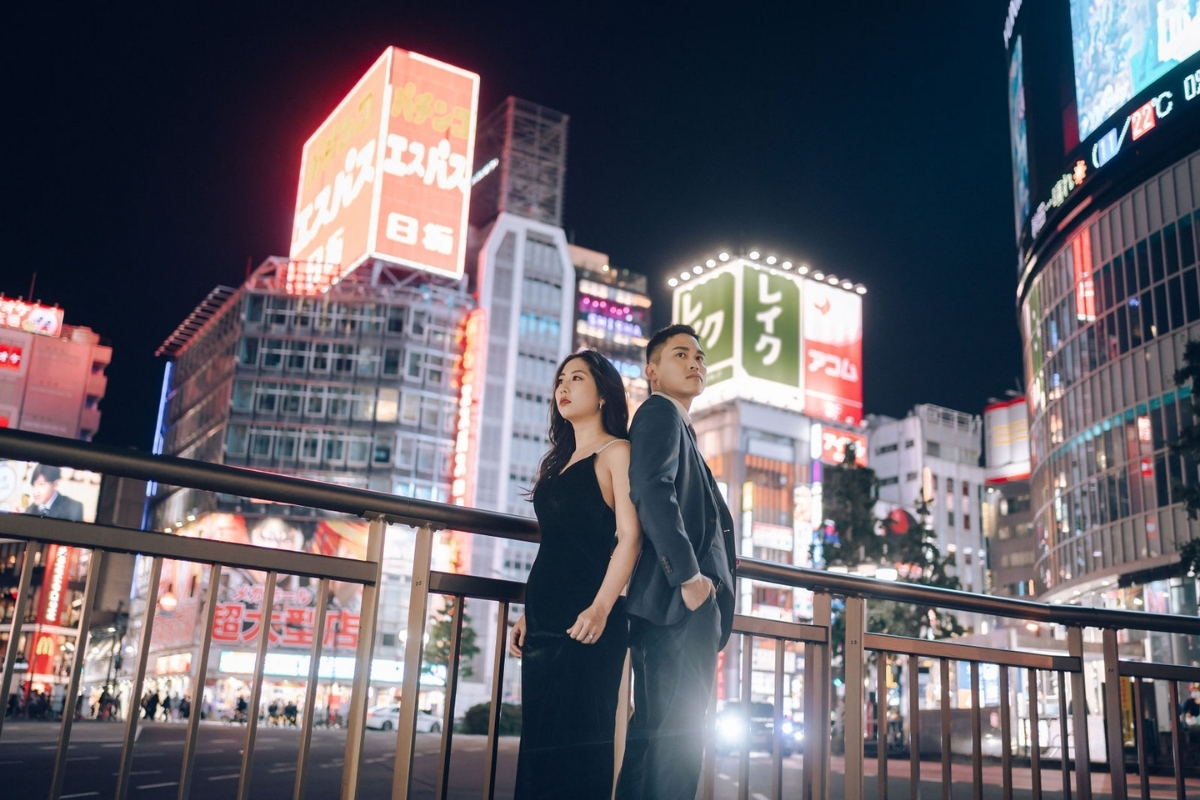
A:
<point x="573" y="636"/>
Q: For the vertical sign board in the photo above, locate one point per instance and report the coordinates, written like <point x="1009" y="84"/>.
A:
<point x="709" y="305"/>
<point x="388" y="175"/>
<point x="771" y="326"/>
<point x="833" y="353"/>
<point x="15" y="348"/>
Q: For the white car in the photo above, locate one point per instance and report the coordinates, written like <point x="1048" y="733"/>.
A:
<point x="387" y="718"/>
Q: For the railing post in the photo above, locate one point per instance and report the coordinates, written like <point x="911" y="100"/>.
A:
<point x="81" y="641"/>
<point x="418" y="607"/>
<point x="139" y="678"/>
<point x="356" y="723"/>
<point x="1083" y="758"/>
<point x="855" y="667"/>
<point x="193" y="721"/>
<point x="1112" y="715"/>
<point x="493" y="743"/>
<point x="310" y="691"/>
<point x="266" y="612"/>
<point x="817" y="689"/>
<point x="32" y="549"/>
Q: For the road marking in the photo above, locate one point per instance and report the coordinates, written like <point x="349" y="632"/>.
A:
<point x="281" y="769"/>
<point x="84" y="758"/>
<point x="723" y="776"/>
<point x="114" y="744"/>
<point x="759" y="796"/>
<point x="18" y="761"/>
<point x="225" y="777"/>
<point x="145" y="772"/>
<point x="210" y="750"/>
<point x="80" y="794"/>
<point x="161" y="785"/>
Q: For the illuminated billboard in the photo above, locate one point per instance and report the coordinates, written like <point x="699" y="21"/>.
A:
<point x="1100" y="93"/>
<point x="776" y="338"/>
<point x="30" y="317"/>
<point x="388" y="175"/>
<point x="27" y="487"/>
<point x="1006" y="437"/>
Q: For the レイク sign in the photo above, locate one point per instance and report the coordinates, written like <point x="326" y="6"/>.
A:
<point x="388" y="175"/>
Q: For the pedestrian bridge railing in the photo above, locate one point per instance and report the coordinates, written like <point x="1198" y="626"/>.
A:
<point x="1048" y="686"/>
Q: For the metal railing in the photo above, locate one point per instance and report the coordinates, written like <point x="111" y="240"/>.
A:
<point x="815" y="640"/>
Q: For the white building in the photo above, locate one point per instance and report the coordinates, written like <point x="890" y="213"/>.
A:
<point x="934" y="452"/>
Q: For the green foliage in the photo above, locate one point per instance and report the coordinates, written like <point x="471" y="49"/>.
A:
<point x="437" y="649"/>
<point x="1188" y="442"/>
<point x="849" y="495"/>
<point x="476" y="719"/>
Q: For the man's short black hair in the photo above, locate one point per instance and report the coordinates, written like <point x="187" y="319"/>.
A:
<point x="660" y="338"/>
<point x="51" y="474"/>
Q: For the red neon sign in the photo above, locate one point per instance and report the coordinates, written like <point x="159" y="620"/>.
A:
<point x="1143" y="120"/>
<point x="474" y="332"/>
<point x="30" y="317"/>
<point x="11" y="356"/>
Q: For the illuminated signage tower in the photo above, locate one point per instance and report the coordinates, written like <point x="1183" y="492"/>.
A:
<point x="1007" y="511"/>
<point x="612" y="316"/>
<point x="1106" y="179"/>
<point x="783" y="344"/>
<point x="342" y="363"/>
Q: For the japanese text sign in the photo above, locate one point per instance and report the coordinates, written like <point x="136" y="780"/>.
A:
<point x="771" y="327"/>
<point x="832" y="353"/>
<point x="30" y="317"/>
<point x="388" y="175"/>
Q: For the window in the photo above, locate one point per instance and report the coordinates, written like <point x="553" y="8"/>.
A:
<point x="950" y="518"/>
<point x="383" y="451"/>
<point x="395" y="322"/>
<point x="966" y="522"/>
<point x="249" y="353"/>
<point x="890" y="481"/>
<point x="908" y="443"/>
<point x="235" y="440"/>
<point x="910" y="476"/>
<point x="933" y="449"/>
<point x="887" y="448"/>
<point x="391" y="361"/>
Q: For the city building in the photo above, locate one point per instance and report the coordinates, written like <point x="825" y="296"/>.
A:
<point x="1007" y="510"/>
<point x="934" y="453"/>
<point x="357" y="386"/>
<point x="783" y="345"/>
<point x="1107" y="209"/>
<point x="52" y="379"/>
<point x="524" y="284"/>
<point x="612" y="316"/>
<point x="345" y="362"/>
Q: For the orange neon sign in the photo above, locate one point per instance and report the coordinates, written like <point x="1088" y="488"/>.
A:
<point x="388" y="175"/>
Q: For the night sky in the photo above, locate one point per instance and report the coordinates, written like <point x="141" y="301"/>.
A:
<point x="155" y="151"/>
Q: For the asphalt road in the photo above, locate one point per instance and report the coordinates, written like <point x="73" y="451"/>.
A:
<point x="27" y="758"/>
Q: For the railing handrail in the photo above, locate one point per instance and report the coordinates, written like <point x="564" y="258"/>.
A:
<point x="252" y="483"/>
<point x="245" y="482"/>
<point x="953" y="599"/>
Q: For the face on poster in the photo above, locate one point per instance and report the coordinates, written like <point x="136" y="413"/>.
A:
<point x="27" y="487"/>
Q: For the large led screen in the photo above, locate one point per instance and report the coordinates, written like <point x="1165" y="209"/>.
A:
<point x="1122" y="47"/>
<point x="1101" y="94"/>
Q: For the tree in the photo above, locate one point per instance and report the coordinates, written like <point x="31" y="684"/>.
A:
<point x="850" y="492"/>
<point x="1188" y="442"/>
<point x="437" y="649"/>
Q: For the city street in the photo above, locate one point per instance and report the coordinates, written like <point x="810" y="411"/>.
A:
<point x="27" y="752"/>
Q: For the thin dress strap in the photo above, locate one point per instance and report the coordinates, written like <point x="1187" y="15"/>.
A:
<point x="606" y="446"/>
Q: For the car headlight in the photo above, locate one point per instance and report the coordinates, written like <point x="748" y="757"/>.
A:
<point x="731" y="729"/>
<point x="787" y="728"/>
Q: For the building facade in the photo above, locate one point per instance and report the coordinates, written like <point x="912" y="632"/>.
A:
<point x="1007" y="506"/>
<point x="612" y="316"/>
<point x="934" y="453"/>
<point x="358" y="386"/>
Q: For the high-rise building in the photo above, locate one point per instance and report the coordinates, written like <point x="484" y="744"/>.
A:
<point x="358" y="386"/>
<point x="51" y="381"/>
<point x="342" y="363"/>
<point x="612" y="316"/>
<point x="51" y="375"/>
<point x="1106" y="181"/>
<point x="1007" y="508"/>
<point x="524" y="282"/>
<point x="934" y="453"/>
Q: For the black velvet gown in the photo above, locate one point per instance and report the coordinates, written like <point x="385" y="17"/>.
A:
<point x="569" y="689"/>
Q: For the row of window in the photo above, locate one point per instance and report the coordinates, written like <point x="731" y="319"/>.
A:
<point x="338" y="449"/>
<point x="303" y="357"/>
<point x="331" y="318"/>
<point x="318" y="403"/>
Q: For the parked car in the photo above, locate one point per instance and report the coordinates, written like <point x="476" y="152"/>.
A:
<point x="387" y="717"/>
<point x="739" y="726"/>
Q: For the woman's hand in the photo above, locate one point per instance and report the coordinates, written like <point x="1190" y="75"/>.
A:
<point x="516" y="640"/>
<point x="589" y="625"/>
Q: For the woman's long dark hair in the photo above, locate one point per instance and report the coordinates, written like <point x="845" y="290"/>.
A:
<point x="614" y="416"/>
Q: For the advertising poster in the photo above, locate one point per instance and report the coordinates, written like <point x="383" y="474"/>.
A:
<point x="833" y="334"/>
<point x="1018" y="135"/>
<point x="27" y="487"/>
<point x="709" y="307"/>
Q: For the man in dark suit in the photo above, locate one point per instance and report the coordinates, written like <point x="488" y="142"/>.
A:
<point x="47" y="502"/>
<point x="681" y="593"/>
